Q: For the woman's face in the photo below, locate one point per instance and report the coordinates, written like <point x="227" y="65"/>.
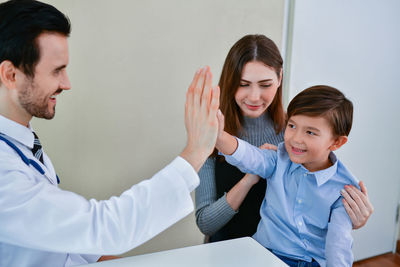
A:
<point x="257" y="89"/>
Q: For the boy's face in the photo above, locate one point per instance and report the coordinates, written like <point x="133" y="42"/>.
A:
<point x="309" y="140"/>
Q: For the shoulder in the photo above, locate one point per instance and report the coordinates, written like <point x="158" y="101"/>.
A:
<point x="7" y="154"/>
<point x="11" y="162"/>
<point x="281" y="151"/>
<point x="345" y="176"/>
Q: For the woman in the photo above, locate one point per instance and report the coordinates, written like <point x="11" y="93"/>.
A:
<point x="251" y="101"/>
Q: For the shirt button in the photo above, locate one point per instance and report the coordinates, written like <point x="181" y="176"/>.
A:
<point x="299" y="201"/>
<point x="305" y="174"/>
<point x="300" y="223"/>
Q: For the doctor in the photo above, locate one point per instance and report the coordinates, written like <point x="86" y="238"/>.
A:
<point x="42" y="225"/>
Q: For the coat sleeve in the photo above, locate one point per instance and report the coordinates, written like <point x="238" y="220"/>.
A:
<point x="42" y="216"/>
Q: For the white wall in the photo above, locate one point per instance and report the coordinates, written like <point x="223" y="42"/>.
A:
<point x="130" y="65"/>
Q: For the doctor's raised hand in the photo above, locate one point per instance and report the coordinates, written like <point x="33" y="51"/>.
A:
<point x="42" y="224"/>
<point x="202" y="103"/>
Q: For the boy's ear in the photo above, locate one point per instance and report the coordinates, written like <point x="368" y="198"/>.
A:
<point x="340" y="141"/>
<point x="7" y="74"/>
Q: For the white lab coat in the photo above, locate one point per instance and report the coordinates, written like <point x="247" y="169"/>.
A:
<point x="42" y="225"/>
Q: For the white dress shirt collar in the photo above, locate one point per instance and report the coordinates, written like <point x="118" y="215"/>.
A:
<point x="18" y="132"/>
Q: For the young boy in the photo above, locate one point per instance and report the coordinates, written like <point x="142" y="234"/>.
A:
<point x="302" y="216"/>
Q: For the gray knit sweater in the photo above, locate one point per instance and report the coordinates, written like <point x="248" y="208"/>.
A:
<point x="212" y="213"/>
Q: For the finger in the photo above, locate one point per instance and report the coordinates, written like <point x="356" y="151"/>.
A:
<point x="214" y="106"/>
<point x="190" y="93"/>
<point x="195" y="79"/>
<point x="358" y="197"/>
<point x="208" y="87"/>
<point x="207" y="93"/>
<point x="221" y="122"/>
<point x="355" y="192"/>
<point x="365" y="199"/>
<point x="188" y="107"/>
<point x="206" y="70"/>
<point x="269" y="146"/>
<point x="363" y="188"/>
<point x="350" y="212"/>
<point x="353" y="205"/>
<point x="198" y="89"/>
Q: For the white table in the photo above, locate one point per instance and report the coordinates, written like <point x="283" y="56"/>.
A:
<point x="237" y="252"/>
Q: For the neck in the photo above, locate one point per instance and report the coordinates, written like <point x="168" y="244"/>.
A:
<point x="11" y="110"/>
<point x="320" y="166"/>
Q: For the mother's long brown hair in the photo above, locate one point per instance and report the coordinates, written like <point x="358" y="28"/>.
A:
<point x="249" y="48"/>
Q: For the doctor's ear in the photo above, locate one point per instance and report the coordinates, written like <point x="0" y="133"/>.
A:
<point x="8" y="74"/>
<point x="340" y="141"/>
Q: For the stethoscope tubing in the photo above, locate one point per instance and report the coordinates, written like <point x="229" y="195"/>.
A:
<point x="26" y="160"/>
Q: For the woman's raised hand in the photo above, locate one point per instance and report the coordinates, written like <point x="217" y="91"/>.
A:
<point x="269" y="146"/>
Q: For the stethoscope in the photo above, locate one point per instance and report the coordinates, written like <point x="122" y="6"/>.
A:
<point x="27" y="161"/>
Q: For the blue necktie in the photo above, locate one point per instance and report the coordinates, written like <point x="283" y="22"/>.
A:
<point x="37" y="148"/>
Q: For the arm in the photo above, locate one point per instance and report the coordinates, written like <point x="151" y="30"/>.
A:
<point x="78" y="226"/>
<point x="246" y="157"/>
<point x="339" y="240"/>
<point x="251" y="159"/>
<point x="70" y="223"/>
<point x="357" y="205"/>
<point x="211" y="213"/>
<point x="238" y="193"/>
<point x="226" y="143"/>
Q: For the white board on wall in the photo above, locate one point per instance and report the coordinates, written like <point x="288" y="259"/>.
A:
<point x="354" y="46"/>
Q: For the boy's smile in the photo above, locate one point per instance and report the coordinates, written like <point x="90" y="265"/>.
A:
<point x="309" y="140"/>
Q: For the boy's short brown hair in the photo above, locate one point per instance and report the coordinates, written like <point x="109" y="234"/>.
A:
<point x="326" y="101"/>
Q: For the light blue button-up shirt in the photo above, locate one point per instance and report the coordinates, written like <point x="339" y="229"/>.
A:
<point x="302" y="215"/>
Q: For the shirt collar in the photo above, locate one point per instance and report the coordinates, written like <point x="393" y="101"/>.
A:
<point x="17" y="131"/>
<point x="321" y="176"/>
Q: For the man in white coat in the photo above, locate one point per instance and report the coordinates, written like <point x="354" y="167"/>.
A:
<point x="43" y="225"/>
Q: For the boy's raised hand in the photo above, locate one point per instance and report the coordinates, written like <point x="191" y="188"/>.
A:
<point x="226" y="143"/>
<point x="202" y="103"/>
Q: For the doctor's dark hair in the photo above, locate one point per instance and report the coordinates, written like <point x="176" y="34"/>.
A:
<point x="250" y="48"/>
<point x="325" y="101"/>
<point x="21" y="22"/>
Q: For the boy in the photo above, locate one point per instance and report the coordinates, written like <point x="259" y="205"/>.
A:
<point x="302" y="216"/>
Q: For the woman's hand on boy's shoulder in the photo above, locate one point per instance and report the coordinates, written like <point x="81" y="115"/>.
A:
<point x="269" y="146"/>
<point x="357" y="204"/>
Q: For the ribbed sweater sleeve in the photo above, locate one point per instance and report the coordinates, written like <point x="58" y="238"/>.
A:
<point x="212" y="213"/>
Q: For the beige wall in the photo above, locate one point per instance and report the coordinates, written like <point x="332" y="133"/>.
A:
<point x="130" y="65"/>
